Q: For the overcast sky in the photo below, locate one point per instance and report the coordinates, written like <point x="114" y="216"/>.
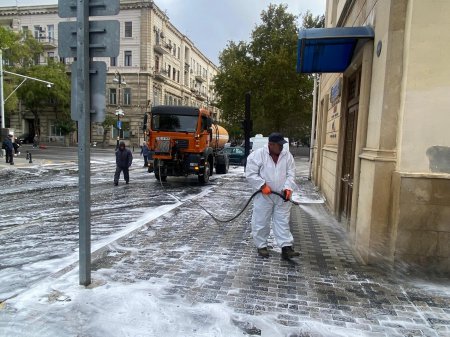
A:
<point x="210" y="24"/>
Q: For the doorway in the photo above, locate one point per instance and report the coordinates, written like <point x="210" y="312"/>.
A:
<point x="30" y="131"/>
<point x="349" y="145"/>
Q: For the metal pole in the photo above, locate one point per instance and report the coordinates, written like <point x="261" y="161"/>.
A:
<point x="84" y="168"/>
<point x="247" y="124"/>
<point x="2" y="103"/>
<point x="313" y="126"/>
<point x="118" y="108"/>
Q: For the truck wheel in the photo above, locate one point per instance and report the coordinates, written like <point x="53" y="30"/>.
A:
<point x="205" y="177"/>
<point x="222" y="169"/>
<point x="219" y="168"/>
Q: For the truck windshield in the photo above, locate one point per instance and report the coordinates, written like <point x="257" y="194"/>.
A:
<point x="174" y="123"/>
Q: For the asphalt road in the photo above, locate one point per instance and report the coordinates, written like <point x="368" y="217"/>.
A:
<point x="39" y="222"/>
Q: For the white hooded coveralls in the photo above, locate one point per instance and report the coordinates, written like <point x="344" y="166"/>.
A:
<point x="260" y="170"/>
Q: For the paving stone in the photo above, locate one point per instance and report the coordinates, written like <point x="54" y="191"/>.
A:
<point x="325" y="285"/>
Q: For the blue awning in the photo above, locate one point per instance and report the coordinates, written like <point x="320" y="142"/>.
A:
<point x="329" y="50"/>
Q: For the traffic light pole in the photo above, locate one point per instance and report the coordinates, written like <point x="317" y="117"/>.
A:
<point x="84" y="169"/>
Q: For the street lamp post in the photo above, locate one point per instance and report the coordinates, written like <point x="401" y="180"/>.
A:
<point x="119" y="113"/>
<point x="2" y="101"/>
<point x="119" y="80"/>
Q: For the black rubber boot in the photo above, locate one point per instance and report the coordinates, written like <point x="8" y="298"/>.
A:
<point x="263" y="252"/>
<point x="288" y="253"/>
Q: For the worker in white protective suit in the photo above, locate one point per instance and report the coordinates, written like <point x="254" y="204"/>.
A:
<point x="268" y="169"/>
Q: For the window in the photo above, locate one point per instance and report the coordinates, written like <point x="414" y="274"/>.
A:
<point x="178" y="76"/>
<point x="54" y="129"/>
<point x="37" y="29"/>
<point x="174" y="123"/>
<point x="127" y="62"/>
<point x="174" y="49"/>
<point x="178" y="53"/>
<point x="127" y="96"/>
<point x="25" y="29"/>
<point x="124" y="132"/>
<point x="156" y="63"/>
<point x="156" y="97"/>
<point x="51" y="33"/>
<point x="128" y="29"/>
<point x="174" y="74"/>
<point x="112" y="96"/>
<point x="169" y="70"/>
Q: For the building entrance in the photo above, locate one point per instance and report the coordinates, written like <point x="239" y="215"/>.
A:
<point x="349" y="142"/>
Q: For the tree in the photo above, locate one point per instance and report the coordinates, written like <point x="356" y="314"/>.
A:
<point x="234" y="64"/>
<point x="19" y="51"/>
<point x="310" y="21"/>
<point x="38" y="97"/>
<point x="107" y="124"/>
<point x="266" y="66"/>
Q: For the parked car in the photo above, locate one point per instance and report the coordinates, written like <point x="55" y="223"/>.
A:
<point x="26" y="138"/>
<point x="236" y="155"/>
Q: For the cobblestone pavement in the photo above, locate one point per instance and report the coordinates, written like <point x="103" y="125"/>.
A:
<point x="184" y="262"/>
<point x="324" y="292"/>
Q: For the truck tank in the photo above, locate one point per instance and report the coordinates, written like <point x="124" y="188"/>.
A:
<point x="219" y="136"/>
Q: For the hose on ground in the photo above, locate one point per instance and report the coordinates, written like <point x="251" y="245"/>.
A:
<point x="244" y="208"/>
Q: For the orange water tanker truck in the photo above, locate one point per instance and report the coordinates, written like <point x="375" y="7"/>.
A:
<point x="184" y="141"/>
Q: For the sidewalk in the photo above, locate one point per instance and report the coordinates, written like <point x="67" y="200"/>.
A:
<point x="184" y="275"/>
<point x="20" y="161"/>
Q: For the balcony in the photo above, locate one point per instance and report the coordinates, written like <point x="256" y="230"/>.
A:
<point x="48" y="43"/>
<point x="200" y="78"/>
<point x="200" y="96"/>
<point x="160" y="75"/>
<point x="162" y="48"/>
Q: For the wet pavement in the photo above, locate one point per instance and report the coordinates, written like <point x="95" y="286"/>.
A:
<point x="197" y="277"/>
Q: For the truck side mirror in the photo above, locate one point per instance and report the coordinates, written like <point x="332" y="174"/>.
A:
<point x="210" y="131"/>
<point x="144" y="124"/>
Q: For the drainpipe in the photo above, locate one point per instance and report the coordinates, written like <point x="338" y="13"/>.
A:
<point x="313" y="126"/>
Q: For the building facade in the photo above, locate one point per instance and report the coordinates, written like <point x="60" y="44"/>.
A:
<point x="382" y="146"/>
<point x="157" y="65"/>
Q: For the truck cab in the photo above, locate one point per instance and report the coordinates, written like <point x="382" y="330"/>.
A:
<point x="184" y="140"/>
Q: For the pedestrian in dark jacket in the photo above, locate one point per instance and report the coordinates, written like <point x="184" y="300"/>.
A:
<point x="144" y="153"/>
<point x="124" y="158"/>
<point x="16" y="146"/>
<point x="7" y="145"/>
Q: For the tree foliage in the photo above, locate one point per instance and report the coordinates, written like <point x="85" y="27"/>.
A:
<point x="37" y="97"/>
<point x="281" y="99"/>
<point x="107" y="125"/>
<point x="19" y="52"/>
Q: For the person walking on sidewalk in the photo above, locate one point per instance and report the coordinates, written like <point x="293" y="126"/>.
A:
<point x="144" y="153"/>
<point x="16" y="146"/>
<point x="124" y="158"/>
<point x="272" y="168"/>
<point x="7" y="145"/>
